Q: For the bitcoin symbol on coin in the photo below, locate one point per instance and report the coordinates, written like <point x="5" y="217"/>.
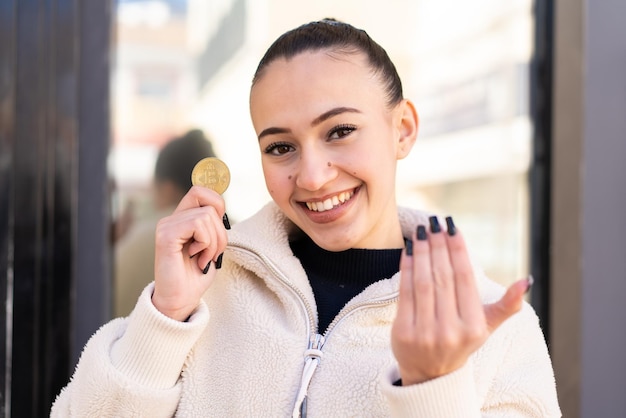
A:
<point x="211" y="172"/>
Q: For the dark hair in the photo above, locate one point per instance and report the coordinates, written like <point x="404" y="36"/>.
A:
<point x="178" y="157"/>
<point x="340" y="37"/>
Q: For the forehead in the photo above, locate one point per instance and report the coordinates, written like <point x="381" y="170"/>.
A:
<point x="311" y="63"/>
<point x="311" y="79"/>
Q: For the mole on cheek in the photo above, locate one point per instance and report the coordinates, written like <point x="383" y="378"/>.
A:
<point x="329" y="163"/>
<point x="290" y="176"/>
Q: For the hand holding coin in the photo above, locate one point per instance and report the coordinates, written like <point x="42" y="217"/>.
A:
<point x="192" y="231"/>
<point x="212" y="173"/>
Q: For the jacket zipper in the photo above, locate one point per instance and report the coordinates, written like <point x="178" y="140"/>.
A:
<point x="312" y="358"/>
<point x="305" y="305"/>
<point x="313" y="353"/>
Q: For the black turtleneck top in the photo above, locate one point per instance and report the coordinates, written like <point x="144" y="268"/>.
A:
<point x="337" y="277"/>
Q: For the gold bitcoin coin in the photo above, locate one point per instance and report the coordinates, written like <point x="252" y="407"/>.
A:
<point x="211" y="172"/>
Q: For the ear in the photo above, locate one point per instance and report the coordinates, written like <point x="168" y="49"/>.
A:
<point x="407" y="123"/>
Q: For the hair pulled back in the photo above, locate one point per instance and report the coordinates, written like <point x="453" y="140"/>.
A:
<point x="339" y="37"/>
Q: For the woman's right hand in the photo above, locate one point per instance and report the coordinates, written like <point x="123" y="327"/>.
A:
<point x="186" y="242"/>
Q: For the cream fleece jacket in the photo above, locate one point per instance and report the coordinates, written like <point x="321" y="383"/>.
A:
<point x="242" y="352"/>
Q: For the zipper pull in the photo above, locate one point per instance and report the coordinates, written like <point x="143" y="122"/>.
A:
<point x="312" y="357"/>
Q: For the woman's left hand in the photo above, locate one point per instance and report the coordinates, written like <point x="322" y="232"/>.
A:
<point x="441" y="320"/>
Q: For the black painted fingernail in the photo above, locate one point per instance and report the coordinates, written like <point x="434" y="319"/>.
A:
<point x="530" y="281"/>
<point x="434" y="225"/>
<point x="409" y="246"/>
<point x="218" y="263"/>
<point x="451" y="227"/>
<point x="421" y="233"/>
<point x="193" y="255"/>
<point x="206" y="269"/>
<point x="226" y="221"/>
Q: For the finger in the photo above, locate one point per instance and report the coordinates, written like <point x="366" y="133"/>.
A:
<point x="203" y="258"/>
<point x="510" y="303"/>
<point x="199" y="196"/>
<point x="197" y="233"/>
<point x="209" y="239"/>
<point x="204" y="238"/>
<point x="423" y="284"/>
<point x="468" y="300"/>
<point x="189" y="226"/>
<point x="209" y="254"/>
<point x="406" y="302"/>
<point x="442" y="273"/>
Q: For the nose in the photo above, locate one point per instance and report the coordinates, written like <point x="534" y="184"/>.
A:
<point x="314" y="169"/>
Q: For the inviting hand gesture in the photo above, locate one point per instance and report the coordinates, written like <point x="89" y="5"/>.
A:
<point x="441" y="320"/>
<point x="186" y="243"/>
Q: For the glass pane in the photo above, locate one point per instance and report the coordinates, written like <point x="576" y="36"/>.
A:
<point x="469" y="80"/>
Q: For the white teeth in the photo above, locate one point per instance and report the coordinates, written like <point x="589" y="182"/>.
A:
<point x="329" y="203"/>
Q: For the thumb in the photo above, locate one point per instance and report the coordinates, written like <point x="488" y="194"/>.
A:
<point x="510" y="303"/>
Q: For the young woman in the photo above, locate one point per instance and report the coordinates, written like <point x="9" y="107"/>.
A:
<point x="331" y="300"/>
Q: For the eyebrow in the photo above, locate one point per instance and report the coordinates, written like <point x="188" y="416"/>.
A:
<point x="333" y="112"/>
<point x="321" y="118"/>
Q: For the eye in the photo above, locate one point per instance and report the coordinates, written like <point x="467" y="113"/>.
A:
<point x="278" y="148"/>
<point x="341" y="131"/>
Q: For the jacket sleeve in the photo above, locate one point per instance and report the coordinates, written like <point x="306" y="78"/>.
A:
<point x="132" y="366"/>
<point x="510" y="376"/>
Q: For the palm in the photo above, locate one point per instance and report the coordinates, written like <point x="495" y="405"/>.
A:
<point x="441" y="320"/>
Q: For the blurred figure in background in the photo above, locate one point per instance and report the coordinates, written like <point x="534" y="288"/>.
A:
<point x="134" y="250"/>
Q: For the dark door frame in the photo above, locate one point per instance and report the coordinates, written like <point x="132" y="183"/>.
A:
<point x="54" y="220"/>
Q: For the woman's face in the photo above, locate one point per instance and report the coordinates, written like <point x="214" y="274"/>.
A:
<point x="329" y="146"/>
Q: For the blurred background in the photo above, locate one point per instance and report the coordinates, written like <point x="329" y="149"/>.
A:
<point x="521" y="139"/>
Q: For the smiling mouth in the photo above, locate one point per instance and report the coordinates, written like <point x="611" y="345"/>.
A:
<point x="331" y="202"/>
